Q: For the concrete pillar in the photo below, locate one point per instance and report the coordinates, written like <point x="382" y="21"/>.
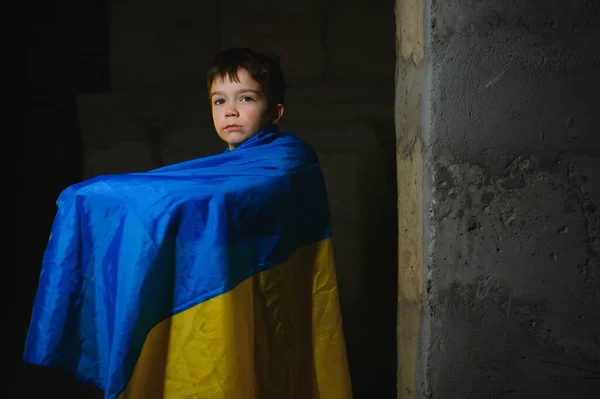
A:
<point x="499" y="243"/>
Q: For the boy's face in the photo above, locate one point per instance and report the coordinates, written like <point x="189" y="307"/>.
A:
<point x="239" y="109"/>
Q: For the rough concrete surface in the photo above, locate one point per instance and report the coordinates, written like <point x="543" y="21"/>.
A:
<point x="512" y="189"/>
<point x="513" y="288"/>
<point x="511" y="77"/>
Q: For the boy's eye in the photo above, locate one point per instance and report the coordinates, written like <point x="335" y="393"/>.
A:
<point x="219" y="101"/>
<point x="247" y="98"/>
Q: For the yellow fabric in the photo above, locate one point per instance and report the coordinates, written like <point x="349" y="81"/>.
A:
<point x="276" y="335"/>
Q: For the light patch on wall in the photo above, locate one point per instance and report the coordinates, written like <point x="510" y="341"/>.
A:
<point x="410" y="198"/>
<point x="409" y="57"/>
<point x="409" y="29"/>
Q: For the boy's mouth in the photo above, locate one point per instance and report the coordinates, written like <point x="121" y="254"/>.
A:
<point x="232" y="127"/>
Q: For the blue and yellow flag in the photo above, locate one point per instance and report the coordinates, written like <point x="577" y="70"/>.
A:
<point x="212" y="278"/>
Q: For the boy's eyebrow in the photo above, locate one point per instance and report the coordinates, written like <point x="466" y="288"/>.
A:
<point x="237" y="92"/>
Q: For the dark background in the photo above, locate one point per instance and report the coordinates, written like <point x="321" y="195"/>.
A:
<point x="66" y="48"/>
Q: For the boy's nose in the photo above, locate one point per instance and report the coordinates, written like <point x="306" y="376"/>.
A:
<point x="231" y="112"/>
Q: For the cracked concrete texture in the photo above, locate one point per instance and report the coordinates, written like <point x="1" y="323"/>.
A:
<point x="511" y="285"/>
<point x="506" y="83"/>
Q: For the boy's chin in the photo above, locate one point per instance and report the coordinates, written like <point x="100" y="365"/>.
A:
<point x="234" y="140"/>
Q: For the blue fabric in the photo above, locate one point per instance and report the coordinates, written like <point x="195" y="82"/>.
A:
<point x="127" y="251"/>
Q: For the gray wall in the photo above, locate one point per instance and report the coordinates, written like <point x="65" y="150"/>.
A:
<point x="512" y="186"/>
<point x="339" y="59"/>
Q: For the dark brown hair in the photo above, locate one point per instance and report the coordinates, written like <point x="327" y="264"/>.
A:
<point x="264" y="69"/>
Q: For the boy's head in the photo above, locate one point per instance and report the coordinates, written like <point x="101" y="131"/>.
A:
<point x="246" y="91"/>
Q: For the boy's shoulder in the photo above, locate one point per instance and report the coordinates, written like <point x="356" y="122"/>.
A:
<point x="294" y="140"/>
<point x="292" y="137"/>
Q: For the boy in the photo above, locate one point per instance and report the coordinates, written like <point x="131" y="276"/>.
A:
<point x="213" y="278"/>
<point x="246" y="91"/>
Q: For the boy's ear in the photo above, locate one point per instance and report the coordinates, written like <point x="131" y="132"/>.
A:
<point x="277" y="113"/>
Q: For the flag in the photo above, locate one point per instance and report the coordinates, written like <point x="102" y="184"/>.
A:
<point x="212" y="278"/>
